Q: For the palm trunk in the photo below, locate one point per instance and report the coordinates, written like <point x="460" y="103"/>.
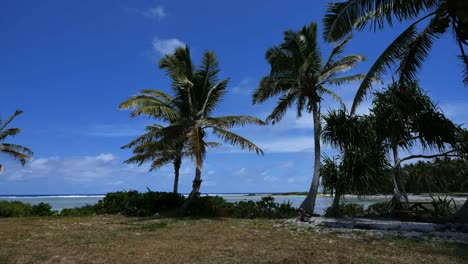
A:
<point x="308" y="205"/>
<point x="397" y="177"/>
<point x="195" y="189"/>
<point x="177" y="164"/>
<point x="336" y="212"/>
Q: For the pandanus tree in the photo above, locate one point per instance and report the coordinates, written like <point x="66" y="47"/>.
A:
<point x="361" y="166"/>
<point x="409" y="50"/>
<point x="300" y="76"/>
<point x="158" y="146"/>
<point x="405" y="118"/>
<point x="17" y="152"/>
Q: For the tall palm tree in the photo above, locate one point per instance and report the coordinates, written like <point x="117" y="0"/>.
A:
<point x="154" y="146"/>
<point x="197" y="93"/>
<point x="17" y="152"/>
<point x="200" y="92"/>
<point x="300" y="76"/>
<point x="409" y="50"/>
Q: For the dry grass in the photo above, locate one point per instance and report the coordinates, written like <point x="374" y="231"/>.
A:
<point x="125" y="240"/>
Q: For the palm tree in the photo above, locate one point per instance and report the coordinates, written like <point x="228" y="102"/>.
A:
<point x="189" y="112"/>
<point x="17" y="152"/>
<point x="300" y="76"/>
<point x="412" y="46"/>
<point x="199" y="91"/>
<point x="154" y="145"/>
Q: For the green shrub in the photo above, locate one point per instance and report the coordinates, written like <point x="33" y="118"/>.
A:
<point x="443" y="206"/>
<point x="133" y="203"/>
<point x="42" y="209"/>
<point x="349" y="209"/>
<point x="378" y="209"/>
<point x="209" y="206"/>
<point x="215" y="206"/>
<point x="14" y="209"/>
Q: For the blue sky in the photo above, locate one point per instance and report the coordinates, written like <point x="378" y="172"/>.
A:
<point x="68" y="66"/>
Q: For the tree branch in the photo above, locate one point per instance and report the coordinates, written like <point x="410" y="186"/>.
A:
<point x="445" y="154"/>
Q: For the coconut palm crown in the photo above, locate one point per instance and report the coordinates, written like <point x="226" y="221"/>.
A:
<point x="300" y="76"/>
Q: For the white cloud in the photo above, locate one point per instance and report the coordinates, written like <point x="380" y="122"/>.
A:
<point x="270" y="178"/>
<point x="166" y="46"/>
<point x="74" y="169"/>
<point x="155" y="12"/>
<point x="241" y="172"/>
<point x="287" y="164"/>
<point x="245" y="86"/>
<point x="288" y="144"/>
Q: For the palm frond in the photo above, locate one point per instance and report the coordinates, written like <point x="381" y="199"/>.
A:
<point x="344" y="64"/>
<point x="213" y="97"/>
<point x="16" y="147"/>
<point x="158" y="163"/>
<point x="341" y="80"/>
<point x="236" y="140"/>
<point x="281" y="107"/>
<point x="416" y="52"/>
<point x="3" y="125"/>
<point x="270" y="87"/>
<point x="9" y="132"/>
<point x="323" y="90"/>
<point x="341" y="18"/>
<point x="388" y="58"/>
<point x="337" y="50"/>
<point x="229" y="121"/>
<point x="213" y="144"/>
<point x="17" y="155"/>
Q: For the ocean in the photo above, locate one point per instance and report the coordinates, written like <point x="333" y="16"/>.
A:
<point x="59" y="202"/>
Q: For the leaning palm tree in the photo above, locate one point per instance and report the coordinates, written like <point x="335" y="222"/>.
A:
<point x="409" y="50"/>
<point x="199" y="91"/>
<point x="154" y="146"/>
<point x="300" y="76"/>
<point x="18" y="152"/>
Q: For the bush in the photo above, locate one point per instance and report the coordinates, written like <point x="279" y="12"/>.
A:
<point x="378" y="209"/>
<point x="19" y="209"/>
<point x="133" y="203"/>
<point x="209" y="206"/>
<point x="14" y="209"/>
<point x="349" y="209"/>
<point x="443" y="206"/>
<point x="42" y="209"/>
